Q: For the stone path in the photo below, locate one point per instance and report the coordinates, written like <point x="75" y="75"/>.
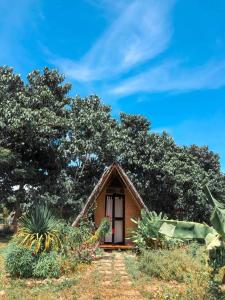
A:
<point x="114" y="281"/>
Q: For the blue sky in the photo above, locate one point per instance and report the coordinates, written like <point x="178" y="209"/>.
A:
<point x="164" y="59"/>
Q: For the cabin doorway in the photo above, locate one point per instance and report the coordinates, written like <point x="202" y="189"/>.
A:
<point x="115" y="211"/>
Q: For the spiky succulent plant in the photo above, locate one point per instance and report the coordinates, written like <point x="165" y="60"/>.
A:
<point x="38" y="230"/>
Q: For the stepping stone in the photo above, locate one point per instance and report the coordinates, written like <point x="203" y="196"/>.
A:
<point x="107" y="283"/>
<point x="127" y="283"/>
<point x="105" y="272"/>
<point x="131" y="293"/>
<point x="104" y="266"/>
<point x="122" y="273"/>
<point x="119" y="268"/>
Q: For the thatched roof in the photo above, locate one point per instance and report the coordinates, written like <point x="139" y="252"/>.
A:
<point x="101" y="184"/>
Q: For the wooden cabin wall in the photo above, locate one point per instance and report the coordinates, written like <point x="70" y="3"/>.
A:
<point x="132" y="210"/>
<point x="100" y="207"/>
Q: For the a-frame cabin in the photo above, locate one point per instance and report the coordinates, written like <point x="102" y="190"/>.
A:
<point x="114" y="197"/>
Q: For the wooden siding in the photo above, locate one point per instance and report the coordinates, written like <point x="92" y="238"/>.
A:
<point x="100" y="207"/>
<point x="132" y="210"/>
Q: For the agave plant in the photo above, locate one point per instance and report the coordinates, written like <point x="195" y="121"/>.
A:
<point x="38" y="230"/>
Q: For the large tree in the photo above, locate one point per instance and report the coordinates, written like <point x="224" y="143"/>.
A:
<point x="89" y="146"/>
<point x="33" y="121"/>
<point x="170" y="178"/>
<point x="54" y="148"/>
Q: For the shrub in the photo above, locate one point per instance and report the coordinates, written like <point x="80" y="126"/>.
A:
<point x="72" y="238"/>
<point x="47" y="265"/>
<point x="171" y="265"/>
<point x="84" y="256"/>
<point x="19" y="261"/>
<point x="182" y="271"/>
<point x="147" y="233"/>
<point x="99" y="234"/>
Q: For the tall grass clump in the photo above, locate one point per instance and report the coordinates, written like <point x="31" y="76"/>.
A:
<point x="186" y="267"/>
<point x="173" y="264"/>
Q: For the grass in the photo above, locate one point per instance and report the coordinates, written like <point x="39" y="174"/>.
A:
<point x="172" y="275"/>
<point x="85" y="283"/>
<point x="4" y="241"/>
<point x="169" y="275"/>
<point x="15" y="288"/>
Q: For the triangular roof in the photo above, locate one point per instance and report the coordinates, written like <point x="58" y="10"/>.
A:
<point x="101" y="184"/>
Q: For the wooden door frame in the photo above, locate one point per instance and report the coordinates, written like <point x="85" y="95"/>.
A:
<point x="116" y="218"/>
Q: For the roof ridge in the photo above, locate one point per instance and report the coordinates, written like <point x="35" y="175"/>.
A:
<point x="100" y="185"/>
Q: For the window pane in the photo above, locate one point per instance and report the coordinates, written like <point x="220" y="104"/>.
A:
<point x="118" y="231"/>
<point x="118" y="207"/>
<point x="109" y="205"/>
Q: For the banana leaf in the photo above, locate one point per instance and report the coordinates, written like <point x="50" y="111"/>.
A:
<point x="217" y="218"/>
<point x="185" y="230"/>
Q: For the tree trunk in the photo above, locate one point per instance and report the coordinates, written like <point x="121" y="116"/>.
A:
<point x="61" y="211"/>
<point x="223" y="280"/>
<point x="18" y="213"/>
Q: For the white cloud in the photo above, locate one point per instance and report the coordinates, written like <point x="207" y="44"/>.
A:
<point x="140" y="32"/>
<point x="171" y="76"/>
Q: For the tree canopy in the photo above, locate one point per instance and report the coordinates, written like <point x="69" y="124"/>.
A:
<point x="54" y="147"/>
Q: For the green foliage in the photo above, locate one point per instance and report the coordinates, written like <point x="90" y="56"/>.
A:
<point x="33" y="119"/>
<point x="193" y="249"/>
<point x="170" y="178"/>
<point x="170" y="265"/>
<point x="19" y="261"/>
<point x="148" y="235"/>
<point x="54" y="149"/>
<point x="215" y="243"/>
<point x="177" y="274"/>
<point x="217" y="257"/>
<point x="47" y="266"/>
<point x="80" y="243"/>
<point x="38" y="230"/>
<point x="75" y="246"/>
<point x="100" y="233"/>
<point x="22" y="262"/>
<point x="73" y="238"/>
<point x="154" y="232"/>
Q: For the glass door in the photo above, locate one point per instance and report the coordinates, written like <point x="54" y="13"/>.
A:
<point x="115" y="212"/>
<point x="109" y="215"/>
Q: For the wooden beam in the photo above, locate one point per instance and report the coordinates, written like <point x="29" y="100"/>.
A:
<point x="116" y="247"/>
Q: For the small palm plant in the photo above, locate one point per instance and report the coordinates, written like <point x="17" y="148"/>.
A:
<point x="38" y="230"/>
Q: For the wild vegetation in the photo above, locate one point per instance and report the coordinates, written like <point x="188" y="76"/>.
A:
<point x="166" y="255"/>
<point x="54" y="147"/>
<point x="174" y="274"/>
<point x="47" y="258"/>
<point x="44" y="247"/>
<point x="165" y="268"/>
